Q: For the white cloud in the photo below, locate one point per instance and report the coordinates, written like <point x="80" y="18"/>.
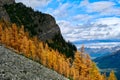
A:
<point x="108" y="21"/>
<point x="65" y="26"/>
<point x="103" y="28"/>
<point x="84" y="3"/>
<point x="82" y="18"/>
<point x="61" y="11"/>
<point x="104" y="8"/>
<point x="99" y="6"/>
<point x="34" y="3"/>
<point x="66" y="30"/>
<point x="100" y="45"/>
<point x="111" y="12"/>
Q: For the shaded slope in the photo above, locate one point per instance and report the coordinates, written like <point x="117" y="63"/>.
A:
<point x="17" y="67"/>
<point x="109" y="62"/>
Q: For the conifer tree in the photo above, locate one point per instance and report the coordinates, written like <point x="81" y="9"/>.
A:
<point x="79" y="65"/>
<point x="1" y="30"/>
<point x="112" y="76"/>
<point x="7" y="36"/>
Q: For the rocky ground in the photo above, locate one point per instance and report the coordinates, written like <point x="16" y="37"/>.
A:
<point x="18" y="67"/>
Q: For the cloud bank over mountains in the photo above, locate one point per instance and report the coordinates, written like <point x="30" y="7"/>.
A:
<point x="103" y="28"/>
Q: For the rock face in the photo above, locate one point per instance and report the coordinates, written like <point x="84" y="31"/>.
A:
<point x="44" y="25"/>
<point x="47" y="27"/>
<point x="37" y="23"/>
<point x="3" y="2"/>
<point x="49" y="31"/>
<point x="3" y="13"/>
<point x="17" y="67"/>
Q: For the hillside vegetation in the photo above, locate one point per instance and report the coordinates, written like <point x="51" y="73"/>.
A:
<point x="79" y="68"/>
<point x="42" y="25"/>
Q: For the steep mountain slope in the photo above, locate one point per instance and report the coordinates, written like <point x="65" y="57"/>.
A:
<point x="38" y="24"/>
<point x="110" y="62"/>
<point x="17" y="67"/>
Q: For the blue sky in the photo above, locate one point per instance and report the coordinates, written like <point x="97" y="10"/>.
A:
<point x="83" y="20"/>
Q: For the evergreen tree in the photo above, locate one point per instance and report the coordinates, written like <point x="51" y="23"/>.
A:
<point x="112" y="76"/>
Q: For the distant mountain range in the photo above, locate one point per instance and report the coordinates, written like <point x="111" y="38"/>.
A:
<point x="95" y="52"/>
<point x="109" y="62"/>
<point x="99" y="47"/>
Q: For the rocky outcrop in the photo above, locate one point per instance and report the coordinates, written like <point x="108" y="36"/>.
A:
<point x="3" y="13"/>
<point x="47" y="28"/>
<point x="3" y="2"/>
<point x="37" y="23"/>
<point x="40" y="24"/>
<point x="18" y="67"/>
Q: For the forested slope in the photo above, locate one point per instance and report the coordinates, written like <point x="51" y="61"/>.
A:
<point x="79" y="68"/>
<point x="40" y="24"/>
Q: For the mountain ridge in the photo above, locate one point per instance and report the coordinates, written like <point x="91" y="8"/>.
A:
<point x="101" y="51"/>
<point x="109" y="62"/>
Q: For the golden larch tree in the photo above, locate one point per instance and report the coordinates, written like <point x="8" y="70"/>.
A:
<point x="112" y="76"/>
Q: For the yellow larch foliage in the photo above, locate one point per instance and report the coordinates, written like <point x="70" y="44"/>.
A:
<point x="112" y="76"/>
<point x="79" y="68"/>
<point x="1" y="31"/>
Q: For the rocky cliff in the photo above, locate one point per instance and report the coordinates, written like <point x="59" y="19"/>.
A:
<point x="44" y="25"/>
<point x="18" y="67"/>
